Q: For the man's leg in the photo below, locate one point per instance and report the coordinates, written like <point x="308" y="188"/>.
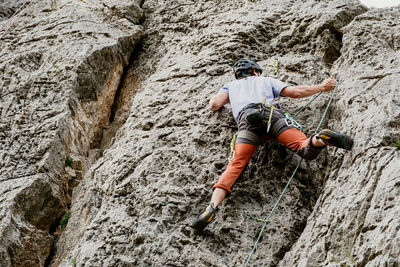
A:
<point x="296" y="140"/>
<point x="242" y="156"/>
<point x="218" y="196"/>
<point x="309" y="148"/>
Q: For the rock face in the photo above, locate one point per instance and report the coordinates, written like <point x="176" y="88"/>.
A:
<point x="113" y="96"/>
<point x="61" y="65"/>
<point x="357" y="216"/>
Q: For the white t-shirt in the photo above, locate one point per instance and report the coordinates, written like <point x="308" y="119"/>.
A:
<point x="252" y="89"/>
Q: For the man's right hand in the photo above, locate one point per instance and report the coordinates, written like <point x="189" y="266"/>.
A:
<point x="218" y="100"/>
<point x="328" y="84"/>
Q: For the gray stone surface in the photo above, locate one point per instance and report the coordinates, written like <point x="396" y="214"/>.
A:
<point x="133" y="116"/>
<point x="357" y="216"/>
<point x="60" y="67"/>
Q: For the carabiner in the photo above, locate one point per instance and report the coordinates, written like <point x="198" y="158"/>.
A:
<point x="288" y="120"/>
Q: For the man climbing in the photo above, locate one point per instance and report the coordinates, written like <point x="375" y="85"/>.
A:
<point x="259" y="118"/>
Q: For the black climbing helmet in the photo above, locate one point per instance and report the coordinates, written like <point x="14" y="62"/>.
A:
<point x="244" y="64"/>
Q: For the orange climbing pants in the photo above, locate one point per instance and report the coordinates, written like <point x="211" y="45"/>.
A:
<point x="292" y="138"/>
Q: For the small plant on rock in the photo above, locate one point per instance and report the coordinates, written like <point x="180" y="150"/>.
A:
<point x="65" y="218"/>
<point x="348" y="255"/>
<point x="397" y="144"/>
<point x="68" y="161"/>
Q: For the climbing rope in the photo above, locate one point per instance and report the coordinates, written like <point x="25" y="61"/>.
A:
<point x="290" y="121"/>
<point x="266" y="220"/>
<point x="306" y="105"/>
<point x="20" y="11"/>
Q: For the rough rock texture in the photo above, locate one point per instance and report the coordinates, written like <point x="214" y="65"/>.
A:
<point x="356" y="220"/>
<point x="146" y="149"/>
<point x="61" y="65"/>
<point x="136" y="204"/>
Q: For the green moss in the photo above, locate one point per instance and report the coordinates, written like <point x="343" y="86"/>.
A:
<point x="347" y="252"/>
<point x="68" y="161"/>
<point x="65" y="218"/>
<point x="397" y="144"/>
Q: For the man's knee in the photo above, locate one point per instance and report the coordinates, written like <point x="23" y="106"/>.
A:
<point x="296" y="141"/>
<point x="222" y="186"/>
<point x="242" y="156"/>
<point x="293" y="139"/>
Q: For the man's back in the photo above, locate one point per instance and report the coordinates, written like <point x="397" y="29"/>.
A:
<point x="250" y="90"/>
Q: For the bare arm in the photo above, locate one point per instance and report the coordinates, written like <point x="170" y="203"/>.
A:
<point x="218" y="100"/>
<point x="300" y="91"/>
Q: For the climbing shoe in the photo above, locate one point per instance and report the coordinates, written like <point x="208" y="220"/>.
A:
<point x="204" y="218"/>
<point x="336" y="139"/>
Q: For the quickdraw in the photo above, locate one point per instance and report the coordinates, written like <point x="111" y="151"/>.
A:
<point x="233" y="142"/>
<point x="248" y="215"/>
<point x="290" y="121"/>
<point x="262" y="109"/>
<point x="276" y="68"/>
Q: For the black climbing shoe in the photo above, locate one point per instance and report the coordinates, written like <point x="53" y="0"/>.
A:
<point x="204" y="218"/>
<point x="336" y="139"/>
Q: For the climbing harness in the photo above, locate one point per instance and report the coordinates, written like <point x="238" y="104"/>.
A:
<point x="290" y="121"/>
<point x="289" y="182"/>
<point x="255" y="113"/>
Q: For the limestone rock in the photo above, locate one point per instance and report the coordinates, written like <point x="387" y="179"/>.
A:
<point x="136" y="203"/>
<point x="356" y="218"/>
<point x="108" y="101"/>
<point x="61" y="63"/>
